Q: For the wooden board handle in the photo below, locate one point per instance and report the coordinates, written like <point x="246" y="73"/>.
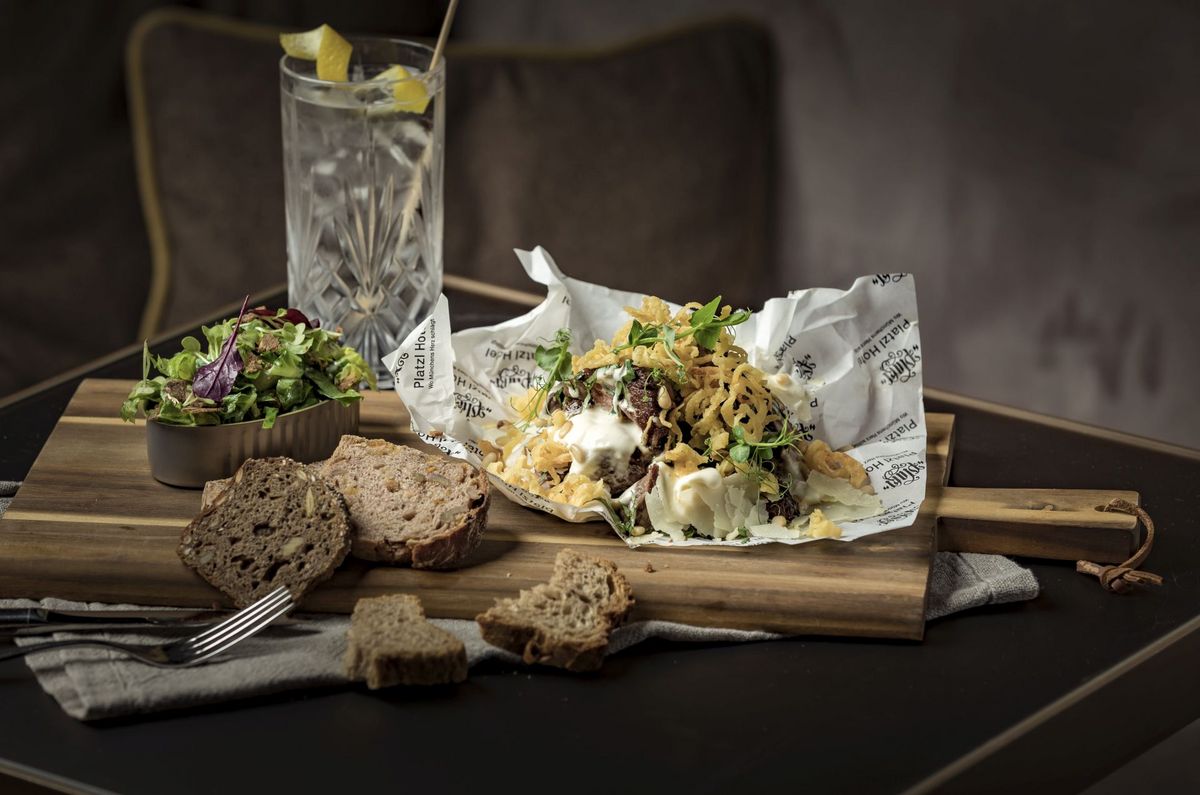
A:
<point x="1060" y="524"/>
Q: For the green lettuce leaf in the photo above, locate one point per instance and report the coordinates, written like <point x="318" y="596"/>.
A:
<point x="327" y="388"/>
<point x="286" y="365"/>
<point x="292" y="392"/>
<point x="236" y="405"/>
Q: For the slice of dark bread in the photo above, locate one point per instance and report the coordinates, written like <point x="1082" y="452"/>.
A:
<point x="408" y="507"/>
<point x="390" y="642"/>
<point x="276" y="523"/>
<point x="565" y="622"/>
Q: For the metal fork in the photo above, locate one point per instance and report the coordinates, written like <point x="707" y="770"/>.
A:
<point x="187" y="651"/>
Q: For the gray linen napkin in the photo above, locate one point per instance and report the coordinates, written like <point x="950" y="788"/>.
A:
<point x="8" y="489"/>
<point x="90" y="684"/>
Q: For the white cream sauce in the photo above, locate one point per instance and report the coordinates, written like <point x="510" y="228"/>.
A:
<point x="598" y="435"/>
<point x="790" y="393"/>
<point x="607" y="377"/>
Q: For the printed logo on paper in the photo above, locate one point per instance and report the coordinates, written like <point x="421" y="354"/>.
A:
<point x="804" y="368"/>
<point x="900" y="365"/>
<point x="515" y="376"/>
<point x="903" y="474"/>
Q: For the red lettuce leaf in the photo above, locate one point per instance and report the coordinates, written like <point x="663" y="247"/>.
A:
<point x="215" y="379"/>
<point x="292" y="315"/>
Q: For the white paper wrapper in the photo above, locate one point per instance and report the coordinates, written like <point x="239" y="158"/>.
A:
<point x="857" y="351"/>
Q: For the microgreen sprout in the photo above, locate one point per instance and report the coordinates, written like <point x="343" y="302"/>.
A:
<point x="620" y="514"/>
<point x="556" y="361"/>
<point x="762" y="451"/>
<point x="704" y="326"/>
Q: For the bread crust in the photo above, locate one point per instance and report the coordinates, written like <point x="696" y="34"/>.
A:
<point x="444" y="551"/>
<point x="537" y="643"/>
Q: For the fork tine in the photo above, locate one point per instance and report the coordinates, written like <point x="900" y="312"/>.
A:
<point x="246" y="613"/>
<point x="259" y="624"/>
<point x="244" y="631"/>
<point x="214" y="646"/>
<point x="268" y="610"/>
<point x="244" y="617"/>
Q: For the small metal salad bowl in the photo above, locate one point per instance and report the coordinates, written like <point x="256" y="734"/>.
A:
<point x="190" y="456"/>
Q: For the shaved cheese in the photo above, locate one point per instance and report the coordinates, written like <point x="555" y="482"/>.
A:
<point x="714" y="505"/>
<point x="770" y="530"/>
<point x="821" y="488"/>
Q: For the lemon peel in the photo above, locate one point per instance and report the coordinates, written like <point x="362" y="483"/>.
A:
<point x="323" y="45"/>
<point x="410" y="94"/>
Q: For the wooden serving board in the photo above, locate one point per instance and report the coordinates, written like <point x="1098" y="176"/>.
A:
<point x="90" y="523"/>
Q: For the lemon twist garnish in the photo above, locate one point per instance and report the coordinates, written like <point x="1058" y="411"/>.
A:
<point x="323" y="45"/>
<point x="410" y="94"/>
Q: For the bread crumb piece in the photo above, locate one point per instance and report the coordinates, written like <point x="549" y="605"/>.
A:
<point x="508" y="574"/>
<point x="649" y="568"/>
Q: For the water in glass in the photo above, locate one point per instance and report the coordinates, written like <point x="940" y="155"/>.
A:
<point x="363" y="194"/>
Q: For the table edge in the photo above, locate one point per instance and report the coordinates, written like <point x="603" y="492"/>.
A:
<point x="51" y="782"/>
<point x="1061" y="423"/>
<point x="945" y="777"/>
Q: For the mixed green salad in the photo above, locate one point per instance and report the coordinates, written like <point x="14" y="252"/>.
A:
<point x="261" y="364"/>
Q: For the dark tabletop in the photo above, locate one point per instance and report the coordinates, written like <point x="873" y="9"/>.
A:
<point x="1053" y="693"/>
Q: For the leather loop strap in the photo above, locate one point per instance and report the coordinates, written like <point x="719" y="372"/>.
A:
<point x="1119" y="579"/>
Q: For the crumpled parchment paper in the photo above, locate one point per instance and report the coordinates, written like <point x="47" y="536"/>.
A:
<point x="857" y="352"/>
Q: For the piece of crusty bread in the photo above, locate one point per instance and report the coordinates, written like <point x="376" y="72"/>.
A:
<point x="406" y="506"/>
<point x="276" y="523"/>
<point x="565" y="622"/>
<point x="390" y="642"/>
